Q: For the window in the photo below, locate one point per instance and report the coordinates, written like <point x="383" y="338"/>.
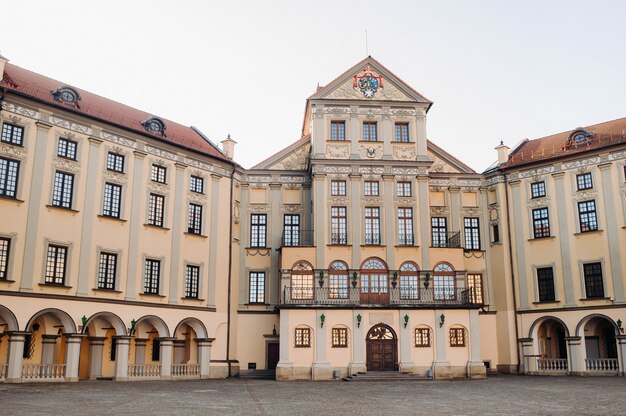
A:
<point x="339" y="338"/>
<point x="302" y="281"/>
<point x="62" y="192"/>
<point x="545" y="284"/>
<point x="338" y="225"/>
<point x="194" y="222"/>
<point x="402" y="132"/>
<point x="537" y="189"/>
<point x="151" y="277"/>
<point x="337" y="130"/>
<point x="67" y="149"/>
<point x="12" y="134"/>
<point x="156" y="349"/>
<point x="115" y="162"/>
<point x="156" y="209"/>
<point x="291" y="230"/>
<point x="154" y="125"/>
<point x="338" y="281"/>
<point x="107" y="271"/>
<point x="541" y="223"/>
<point x="472" y="234"/>
<point x="5" y="246"/>
<point x="196" y="184"/>
<point x="303" y="338"/>
<point x="9" y="171"/>
<point x="192" y="279"/>
<point x="457" y="337"/>
<point x="475" y="286"/>
<point x="370" y="131"/>
<point x="409" y="281"/>
<point x="422" y="337"/>
<point x="372" y="225"/>
<point x="439" y="231"/>
<point x="338" y="188"/>
<point x="55" y="265"/>
<point x="583" y="181"/>
<point x="112" y="200"/>
<point x="443" y="281"/>
<point x="258" y="230"/>
<point x="405" y="226"/>
<point x="495" y="233"/>
<point x="113" y="349"/>
<point x="594" y="286"/>
<point x="158" y="173"/>
<point x="370" y="188"/>
<point x="403" y="188"/>
<point x="257" y="287"/>
<point x="587" y="216"/>
<point x="374" y="281"/>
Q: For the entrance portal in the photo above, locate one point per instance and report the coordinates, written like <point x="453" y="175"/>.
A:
<point x="382" y="349"/>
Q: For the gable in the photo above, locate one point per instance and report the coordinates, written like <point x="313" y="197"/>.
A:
<point x="444" y="162"/>
<point x="293" y="157"/>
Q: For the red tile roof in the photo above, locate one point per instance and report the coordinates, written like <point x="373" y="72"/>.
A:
<point x="609" y="133"/>
<point x="39" y="87"/>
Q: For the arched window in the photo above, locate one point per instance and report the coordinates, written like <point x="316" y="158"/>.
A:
<point x="302" y="281"/>
<point x="409" y="281"/>
<point x="458" y="336"/>
<point x="422" y="336"/>
<point x="302" y="337"/>
<point x="443" y="282"/>
<point x="338" y="280"/>
<point x="374" y="282"/>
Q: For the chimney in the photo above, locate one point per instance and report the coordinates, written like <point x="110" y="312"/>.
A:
<point x="503" y="153"/>
<point x="3" y="61"/>
<point x="228" y="147"/>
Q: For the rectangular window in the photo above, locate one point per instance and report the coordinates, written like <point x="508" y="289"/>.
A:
<point x="67" y="149"/>
<point x="5" y="247"/>
<point x="301" y="285"/>
<point x="291" y="230"/>
<point x="113" y="349"/>
<point x="303" y="338"/>
<point x="457" y="337"/>
<point x="115" y="162"/>
<point x="587" y="216"/>
<point x="56" y="262"/>
<point x="338" y="285"/>
<point x="338" y="225"/>
<point x="112" y="200"/>
<point x="158" y="173"/>
<point x="594" y="286"/>
<point x="402" y="132"/>
<point x="196" y="184"/>
<point x="443" y="286"/>
<point x="151" y="277"/>
<point x="370" y="188"/>
<point x="338" y="188"/>
<point x="545" y="284"/>
<point x="409" y="284"/>
<point x="156" y="349"/>
<point x="370" y="131"/>
<point x="403" y="189"/>
<point x="194" y="223"/>
<point x="339" y="338"/>
<point x="257" y="287"/>
<point x="422" y="337"/>
<point x="541" y="223"/>
<point x="495" y="233"/>
<point x="472" y="233"/>
<point x="372" y="225"/>
<point x="12" y="134"/>
<point x="475" y="286"/>
<point x="439" y="231"/>
<point x="337" y="130"/>
<point x="107" y="271"/>
<point x="9" y="170"/>
<point x="405" y="226"/>
<point x="583" y="181"/>
<point x="537" y="189"/>
<point x="258" y="230"/>
<point x="192" y="279"/>
<point x="155" y="210"/>
<point x="63" y="188"/>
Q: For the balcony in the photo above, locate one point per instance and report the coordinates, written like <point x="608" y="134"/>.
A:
<point x="406" y="240"/>
<point x="446" y="239"/>
<point x="297" y="238"/>
<point x="372" y="239"/>
<point x="339" y="239"/>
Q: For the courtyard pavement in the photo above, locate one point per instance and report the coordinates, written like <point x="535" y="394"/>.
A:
<point x="501" y="395"/>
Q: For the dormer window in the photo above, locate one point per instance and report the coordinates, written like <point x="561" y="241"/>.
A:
<point x="66" y="95"/>
<point x="154" y="125"/>
<point x="578" y="138"/>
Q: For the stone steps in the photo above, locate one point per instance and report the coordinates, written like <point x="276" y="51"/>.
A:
<point x="385" y="376"/>
<point x="258" y="375"/>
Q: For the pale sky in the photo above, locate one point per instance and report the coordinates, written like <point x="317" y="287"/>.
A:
<point x="496" y="70"/>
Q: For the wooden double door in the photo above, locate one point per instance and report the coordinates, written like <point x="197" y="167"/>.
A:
<point x="381" y="349"/>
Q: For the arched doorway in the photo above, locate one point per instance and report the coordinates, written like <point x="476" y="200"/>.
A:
<point x="551" y="347"/>
<point x="382" y="349"/>
<point x="98" y="350"/>
<point x="374" y="279"/>
<point x="600" y="345"/>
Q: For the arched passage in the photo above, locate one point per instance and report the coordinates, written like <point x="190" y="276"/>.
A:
<point x="145" y="349"/>
<point x="549" y="334"/>
<point x="98" y="350"/>
<point x="600" y="346"/>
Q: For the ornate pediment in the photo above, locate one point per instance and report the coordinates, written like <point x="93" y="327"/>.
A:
<point x="444" y="162"/>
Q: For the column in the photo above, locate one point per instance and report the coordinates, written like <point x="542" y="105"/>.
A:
<point x="406" y="363"/>
<point x="386" y="133"/>
<point x="520" y="243"/>
<point x="35" y="197"/>
<point x="576" y="361"/>
<point x="389" y="232"/>
<point x="321" y="369"/>
<point x="420" y="128"/>
<point x="96" y="347"/>
<point x="16" y="351"/>
<point x="138" y="196"/>
<point x="244" y="227"/>
<point x="122" y="348"/>
<point x="47" y="349"/>
<point x="284" y="369"/>
<point x="621" y="353"/>
<point x="180" y="211"/>
<point x="455" y="211"/>
<point x="213" y="233"/>
<point x="72" y="356"/>
<point x="529" y="359"/>
<point x="423" y="213"/>
<point x="441" y="365"/>
<point x="140" y="350"/>
<point x="564" y="238"/>
<point x="166" y="358"/>
<point x="204" y="356"/>
<point x="319" y="225"/>
<point x="355" y="217"/>
<point x="274" y="236"/>
<point x="353" y="133"/>
<point x="475" y="366"/>
<point x="358" y="363"/>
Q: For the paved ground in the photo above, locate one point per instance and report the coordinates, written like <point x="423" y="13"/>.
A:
<point x="503" y="395"/>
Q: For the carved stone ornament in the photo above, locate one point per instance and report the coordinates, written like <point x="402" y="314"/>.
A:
<point x="539" y="203"/>
<point x="579" y="196"/>
<point x="20" y="110"/>
<point x="337" y="151"/>
<point x="259" y="208"/>
<point x="119" y="178"/>
<point x="404" y="152"/>
<point x="13" y="151"/>
<point x="439" y="210"/>
<point x="159" y="152"/>
<point x="292" y="209"/>
<point x="118" y="140"/>
<point x="470" y="211"/>
<point x="69" y="125"/>
<point x="67" y="165"/>
<point x="158" y="187"/>
<point x="371" y="152"/>
<point x="237" y="211"/>
<point x="196" y="197"/>
<point x="494" y="214"/>
<point x="338" y="201"/>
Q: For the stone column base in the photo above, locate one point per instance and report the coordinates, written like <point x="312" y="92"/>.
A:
<point x="442" y="370"/>
<point x="354" y="368"/>
<point x="476" y="370"/>
<point x="322" y="371"/>
<point x="507" y="368"/>
<point x="409" y="367"/>
<point x="284" y="372"/>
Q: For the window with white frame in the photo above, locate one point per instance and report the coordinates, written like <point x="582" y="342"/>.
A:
<point x="439" y="231"/>
<point x="584" y="181"/>
<point x="370" y="188"/>
<point x="541" y="223"/>
<point x="291" y="230"/>
<point x="115" y="162"/>
<point x="370" y="131"/>
<point x="338" y="280"/>
<point x="156" y="206"/>
<point x="337" y="130"/>
<point x="338" y="188"/>
<point x="403" y="188"/>
<point x="338" y="225"/>
<point x="538" y="189"/>
<point x="409" y="281"/>
<point x="587" y="216"/>
<point x="194" y="221"/>
<point x="594" y="284"/>
<point x="258" y="230"/>
<point x="405" y="226"/>
<point x="196" y="184"/>
<point x="443" y="282"/>
<point x="402" y="132"/>
<point x="472" y="233"/>
<point x="158" y="173"/>
<point x="372" y="225"/>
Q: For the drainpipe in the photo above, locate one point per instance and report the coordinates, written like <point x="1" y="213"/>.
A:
<point x="230" y="268"/>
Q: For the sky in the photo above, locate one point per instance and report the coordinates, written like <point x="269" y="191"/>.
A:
<point x="496" y="70"/>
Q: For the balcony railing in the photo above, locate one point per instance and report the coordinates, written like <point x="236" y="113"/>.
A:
<point x="43" y="371"/>
<point x="372" y="239"/>
<point x="388" y="296"/>
<point x="339" y="238"/>
<point x="601" y="365"/>
<point x="448" y="239"/>
<point x="186" y="370"/>
<point x="552" y="364"/>
<point x="297" y="238"/>
<point x="406" y="240"/>
<point x="144" y="370"/>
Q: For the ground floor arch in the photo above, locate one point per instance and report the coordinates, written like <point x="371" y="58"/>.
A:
<point x="381" y="345"/>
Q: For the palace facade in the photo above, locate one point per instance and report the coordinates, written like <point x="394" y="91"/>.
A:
<point x="132" y="247"/>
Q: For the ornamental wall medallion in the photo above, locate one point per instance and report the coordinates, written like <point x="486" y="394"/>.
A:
<point x="371" y="152"/>
<point x="368" y="82"/>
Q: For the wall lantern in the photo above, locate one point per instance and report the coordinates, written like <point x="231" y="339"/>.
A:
<point x="132" y="327"/>
<point x="84" y="322"/>
<point x="322" y="319"/>
<point x="35" y="327"/>
<point x="619" y="326"/>
<point x="321" y="281"/>
<point x="442" y="319"/>
<point x="406" y="320"/>
<point x="358" y="320"/>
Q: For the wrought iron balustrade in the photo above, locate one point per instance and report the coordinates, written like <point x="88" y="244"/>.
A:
<point x="297" y="238"/>
<point x="406" y="240"/>
<point x="372" y="239"/>
<point x="339" y="238"/>
<point x="448" y="239"/>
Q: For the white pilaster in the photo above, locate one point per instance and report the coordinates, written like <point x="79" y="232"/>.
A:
<point x="96" y="347"/>
<point x="358" y="344"/>
<point x="204" y="356"/>
<point x="16" y="350"/>
<point x="166" y="358"/>
<point x="284" y="368"/>
<point x="406" y="363"/>
<point x="321" y="369"/>
<point x="72" y="356"/>
<point x="576" y="361"/>
<point x="475" y="366"/>
<point x="121" y="358"/>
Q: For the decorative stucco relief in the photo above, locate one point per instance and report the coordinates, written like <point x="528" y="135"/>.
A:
<point x="20" y="110"/>
<point x="66" y="165"/>
<point x="118" y="140"/>
<point x="404" y="152"/>
<point x="297" y="160"/>
<point x="371" y="151"/>
<point x="337" y="151"/>
<point x="579" y="196"/>
<point x="346" y="90"/>
<point x="13" y="151"/>
<point x="159" y="152"/>
<point x="118" y="178"/>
